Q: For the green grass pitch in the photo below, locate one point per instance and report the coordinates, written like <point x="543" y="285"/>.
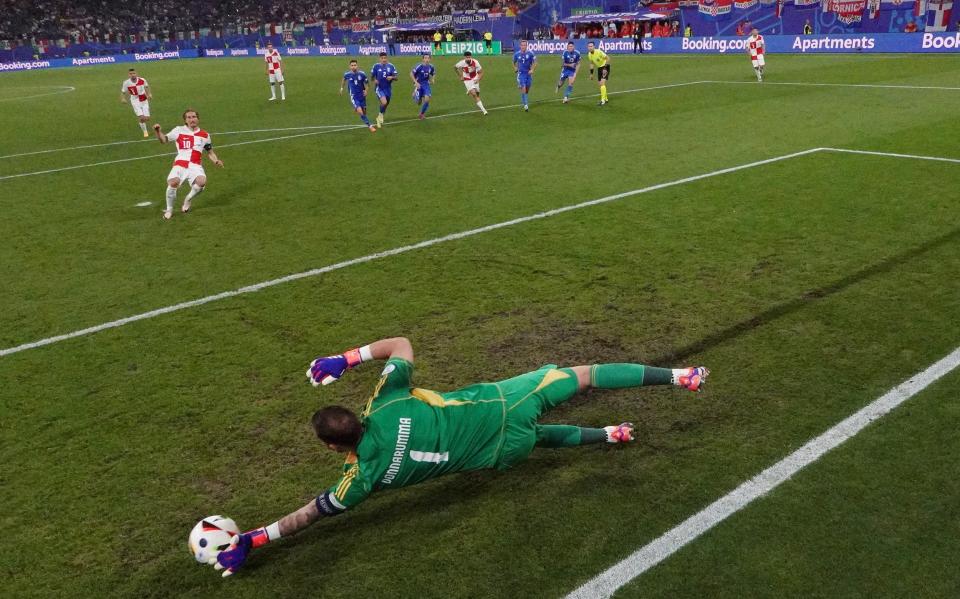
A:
<point x="809" y="286"/>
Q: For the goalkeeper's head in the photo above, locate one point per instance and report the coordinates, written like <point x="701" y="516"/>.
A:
<point x="338" y="427"/>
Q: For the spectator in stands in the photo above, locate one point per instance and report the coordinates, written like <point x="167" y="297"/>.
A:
<point x="910" y="27"/>
<point x="739" y="30"/>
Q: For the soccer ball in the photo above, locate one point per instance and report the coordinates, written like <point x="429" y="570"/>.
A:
<point x="211" y="536"/>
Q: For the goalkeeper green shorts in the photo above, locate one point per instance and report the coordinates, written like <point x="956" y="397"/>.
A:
<point x="528" y="397"/>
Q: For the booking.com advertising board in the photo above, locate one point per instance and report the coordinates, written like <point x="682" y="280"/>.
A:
<point x="776" y="44"/>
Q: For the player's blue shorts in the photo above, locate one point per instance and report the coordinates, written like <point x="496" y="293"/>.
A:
<point x="358" y="101"/>
<point x="419" y="94"/>
<point x="524" y="79"/>
<point x="566" y="73"/>
<point x="385" y="93"/>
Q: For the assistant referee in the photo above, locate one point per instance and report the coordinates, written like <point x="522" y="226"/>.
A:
<point x="599" y="60"/>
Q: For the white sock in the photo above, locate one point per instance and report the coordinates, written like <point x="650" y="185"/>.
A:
<point x="143" y="127"/>
<point x="194" y="190"/>
<point x="171" y="197"/>
<point x="480" y="104"/>
<point x="273" y="91"/>
<point x="283" y="92"/>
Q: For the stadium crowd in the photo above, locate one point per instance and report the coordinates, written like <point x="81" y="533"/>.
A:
<point x="109" y="20"/>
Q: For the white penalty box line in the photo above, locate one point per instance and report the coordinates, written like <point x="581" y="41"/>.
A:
<point x="611" y="580"/>
<point x="438" y="240"/>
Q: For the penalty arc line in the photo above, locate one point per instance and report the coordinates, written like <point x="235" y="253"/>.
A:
<point x="335" y="130"/>
<point x="391" y="252"/>
<point x="62" y="89"/>
<point x="611" y="580"/>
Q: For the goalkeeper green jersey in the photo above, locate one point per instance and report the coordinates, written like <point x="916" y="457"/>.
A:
<point x="411" y="434"/>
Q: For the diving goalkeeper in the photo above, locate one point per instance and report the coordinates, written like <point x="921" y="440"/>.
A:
<point x="407" y="435"/>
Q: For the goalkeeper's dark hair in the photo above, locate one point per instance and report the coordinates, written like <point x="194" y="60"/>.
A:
<point x="337" y="425"/>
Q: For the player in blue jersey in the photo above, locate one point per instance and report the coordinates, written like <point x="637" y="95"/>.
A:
<point x="524" y="64"/>
<point x="356" y="81"/>
<point x="423" y="75"/>
<point x="383" y="74"/>
<point x="568" y="73"/>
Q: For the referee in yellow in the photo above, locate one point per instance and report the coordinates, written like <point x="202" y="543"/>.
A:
<point x="599" y="60"/>
<point x="488" y="42"/>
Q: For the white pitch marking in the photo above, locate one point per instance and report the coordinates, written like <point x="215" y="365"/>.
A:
<point x="391" y="252"/>
<point x="62" y="89"/>
<point x="138" y="141"/>
<point x="894" y="155"/>
<point x="334" y="130"/>
<point x="863" y="85"/>
<point x="143" y="204"/>
<point x="609" y="581"/>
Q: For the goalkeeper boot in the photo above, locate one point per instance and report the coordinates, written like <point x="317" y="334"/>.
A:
<point x="622" y="433"/>
<point x="693" y="379"/>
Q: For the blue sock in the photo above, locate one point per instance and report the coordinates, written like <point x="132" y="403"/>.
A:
<point x="423" y="109"/>
<point x="569" y="90"/>
<point x="523" y="98"/>
<point x="365" y="120"/>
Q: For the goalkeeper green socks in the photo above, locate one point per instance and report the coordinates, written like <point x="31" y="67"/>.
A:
<point x="620" y="376"/>
<point x="564" y="435"/>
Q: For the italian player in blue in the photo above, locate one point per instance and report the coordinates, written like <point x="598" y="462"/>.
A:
<point x="383" y="74"/>
<point x="568" y="73"/>
<point x="356" y="81"/>
<point x="422" y="75"/>
<point x="524" y="64"/>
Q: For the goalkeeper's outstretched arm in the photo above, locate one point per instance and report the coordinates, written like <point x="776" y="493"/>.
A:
<point x="326" y="370"/>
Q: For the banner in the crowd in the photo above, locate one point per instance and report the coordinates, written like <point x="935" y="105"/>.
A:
<point x="716" y="9"/>
<point x="478" y="48"/>
<point x="848" y="11"/>
<point x="775" y="44"/>
<point x="936" y="42"/>
<point x="86" y="61"/>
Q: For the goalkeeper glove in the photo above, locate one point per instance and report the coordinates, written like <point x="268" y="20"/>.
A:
<point x="324" y="371"/>
<point x="232" y="559"/>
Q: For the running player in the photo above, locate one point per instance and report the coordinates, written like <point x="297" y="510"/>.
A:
<point x="356" y="80"/>
<point x="755" y="46"/>
<point x="470" y="72"/>
<point x="569" y="70"/>
<point x="407" y="435"/>
<point x="383" y="74"/>
<point x="274" y="72"/>
<point x="524" y="64"/>
<point x="138" y="90"/>
<point x="191" y="142"/>
<point x="599" y="59"/>
<point x="423" y="76"/>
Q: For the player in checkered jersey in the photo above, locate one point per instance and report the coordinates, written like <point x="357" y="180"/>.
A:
<point x="274" y="72"/>
<point x="191" y="142"/>
<point x="755" y="46"/>
<point x="138" y="90"/>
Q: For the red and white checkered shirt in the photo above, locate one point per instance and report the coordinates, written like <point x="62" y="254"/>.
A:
<point x="755" y="44"/>
<point x="190" y="144"/>
<point x="272" y="57"/>
<point x="137" y="90"/>
<point x="469" y="69"/>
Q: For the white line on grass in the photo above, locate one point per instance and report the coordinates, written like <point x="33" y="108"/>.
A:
<point x="61" y="89"/>
<point x="335" y="130"/>
<point x="139" y="141"/>
<point x="391" y="252"/>
<point x="864" y="85"/>
<point x="894" y="155"/>
<point x="608" y="582"/>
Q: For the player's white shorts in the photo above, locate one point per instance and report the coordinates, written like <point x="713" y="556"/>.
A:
<point x="472" y="85"/>
<point x="758" y="61"/>
<point x="141" y="108"/>
<point x="186" y="173"/>
<point x="276" y="77"/>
